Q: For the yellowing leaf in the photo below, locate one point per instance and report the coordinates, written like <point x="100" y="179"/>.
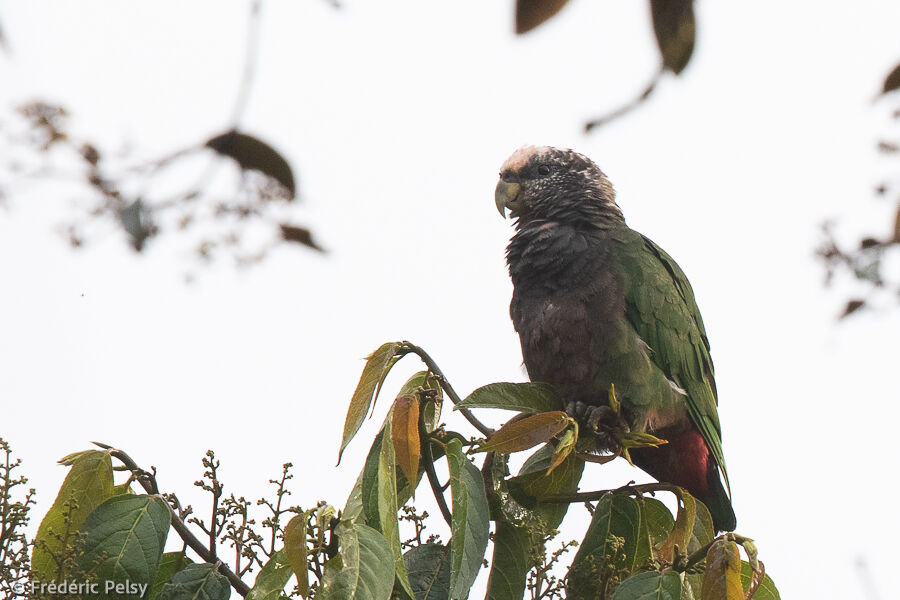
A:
<point x="531" y="13"/>
<point x="88" y="485"/>
<point x="526" y="433"/>
<point x="377" y="366"/>
<point x="296" y="550"/>
<point x="681" y="532"/>
<point x="299" y="235"/>
<point x="722" y="578"/>
<point x="565" y="447"/>
<point x="405" y="435"/>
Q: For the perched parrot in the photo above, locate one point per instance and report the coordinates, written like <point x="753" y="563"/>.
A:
<point x="597" y="304"/>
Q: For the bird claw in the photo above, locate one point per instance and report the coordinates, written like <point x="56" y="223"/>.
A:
<point x="607" y="426"/>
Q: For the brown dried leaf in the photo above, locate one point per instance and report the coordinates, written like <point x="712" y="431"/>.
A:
<point x="253" y="154"/>
<point x="852" y="306"/>
<point x="675" y="29"/>
<point x="526" y="433"/>
<point x="405" y="435"/>
<point x="300" y="235"/>
<point x="892" y="81"/>
<point x="531" y="13"/>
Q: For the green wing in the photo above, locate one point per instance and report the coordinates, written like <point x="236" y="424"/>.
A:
<point x="660" y="305"/>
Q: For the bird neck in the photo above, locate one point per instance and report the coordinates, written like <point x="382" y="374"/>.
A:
<point x="552" y="255"/>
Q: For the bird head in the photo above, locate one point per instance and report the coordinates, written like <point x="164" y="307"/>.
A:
<point x="552" y="184"/>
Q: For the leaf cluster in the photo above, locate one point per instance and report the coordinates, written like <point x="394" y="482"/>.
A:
<point x="634" y="548"/>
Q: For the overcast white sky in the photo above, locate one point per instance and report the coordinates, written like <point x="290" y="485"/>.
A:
<point x="396" y="116"/>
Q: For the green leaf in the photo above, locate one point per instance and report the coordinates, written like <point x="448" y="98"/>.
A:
<point x="510" y="563"/>
<point x="169" y="564"/>
<point x="253" y="154"/>
<point x="89" y="484"/>
<point x="650" y="585"/>
<point x="362" y="570"/>
<point x="722" y="577"/>
<point x="470" y="526"/>
<point x="354" y="509"/>
<point x="428" y="566"/>
<point x="296" y="550"/>
<point x="656" y="523"/>
<point x="526" y="433"/>
<point x="659" y="520"/>
<point x="521" y="520"/>
<point x="197" y="582"/>
<point x="534" y="483"/>
<point x="521" y="397"/>
<point x="388" y="505"/>
<point x="675" y="28"/>
<point x="272" y="578"/>
<point x="124" y="541"/>
<point x="377" y="367"/>
<point x="609" y="546"/>
<point x="766" y="589"/>
<point x="703" y="533"/>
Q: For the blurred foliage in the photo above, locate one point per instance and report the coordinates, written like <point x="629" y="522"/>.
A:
<point x="873" y="260"/>
<point x="243" y="216"/>
<point x="121" y="191"/>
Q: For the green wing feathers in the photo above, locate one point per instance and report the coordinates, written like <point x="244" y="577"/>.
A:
<point x="660" y="305"/>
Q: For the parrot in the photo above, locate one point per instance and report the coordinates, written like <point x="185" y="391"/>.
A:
<point x="599" y="307"/>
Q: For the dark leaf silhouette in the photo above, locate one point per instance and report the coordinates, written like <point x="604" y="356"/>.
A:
<point x="892" y="81"/>
<point x="852" y="307"/>
<point x="531" y="13"/>
<point x="300" y="235"/>
<point x="253" y="154"/>
<point x="673" y="23"/>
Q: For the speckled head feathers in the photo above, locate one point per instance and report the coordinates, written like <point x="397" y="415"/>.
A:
<point x="558" y="184"/>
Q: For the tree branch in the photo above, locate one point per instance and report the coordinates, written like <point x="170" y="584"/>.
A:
<point x="448" y="389"/>
<point x="436" y="488"/>
<point x="148" y="482"/>
<point x="632" y="490"/>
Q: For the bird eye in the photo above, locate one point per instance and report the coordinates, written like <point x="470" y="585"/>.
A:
<point x="543" y="170"/>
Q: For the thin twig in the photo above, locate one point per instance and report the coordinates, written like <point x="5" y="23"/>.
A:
<point x="448" y="389"/>
<point x="148" y="482"/>
<point x="250" y="61"/>
<point x="433" y="481"/>
<point x="626" y="108"/>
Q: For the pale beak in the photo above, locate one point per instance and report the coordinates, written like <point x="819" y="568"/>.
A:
<point x="507" y="196"/>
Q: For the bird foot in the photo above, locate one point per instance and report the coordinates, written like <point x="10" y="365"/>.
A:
<point x="603" y="422"/>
